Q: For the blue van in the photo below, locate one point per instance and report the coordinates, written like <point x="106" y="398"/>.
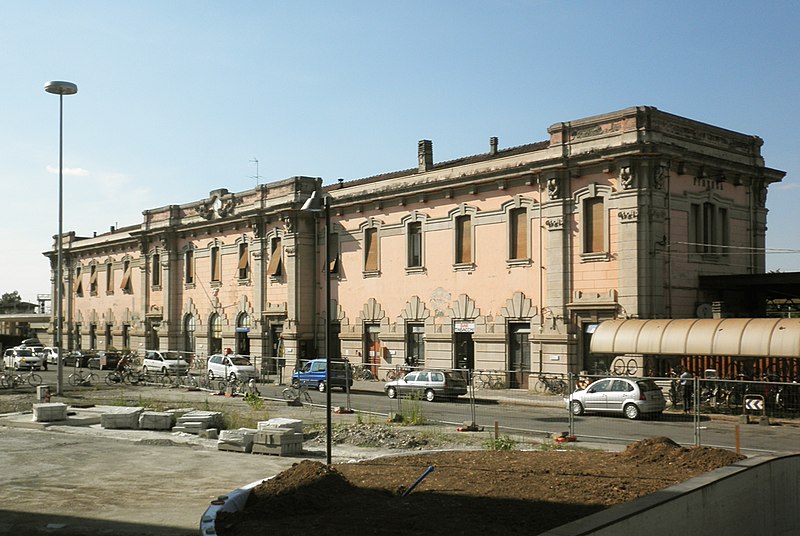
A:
<point x="313" y="375"/>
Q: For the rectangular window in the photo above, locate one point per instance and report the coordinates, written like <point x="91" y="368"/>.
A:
<point x="188" y="267"/>
<point x="463" y="240"/>
<point x="371" y="250"/>
<point x="593" y="225"/>
<point x="109" y="278"/>
<point x="93" y="280"/>
<point x="126" y="278"/>
<point x="215" y="264"/>
<point x="708" y="228"/>
<point x="156" y="270"/>
<point x="109" y="338"/>
<point x="93" y="336"/>
<point x="518" y="231"/>
<point x="414" y="244"/>
<point x="244" y="261"/>
<point x="333" y="253"/>
<point x="274" y="267"/>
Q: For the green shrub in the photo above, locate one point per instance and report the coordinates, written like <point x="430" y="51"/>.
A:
<point x="501" y="443"/>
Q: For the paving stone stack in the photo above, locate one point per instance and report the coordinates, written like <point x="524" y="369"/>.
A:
<point x="195" y="421"/>
<point x="280" y="437"/>
<point x="240" y="440"/>
<point x="121" y="417"/>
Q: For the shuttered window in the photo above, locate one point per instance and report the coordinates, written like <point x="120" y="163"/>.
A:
<point x="593" y="225"/>
<point x="371" y="250"/>
<point x="93" y="279"/>
<point x="109" y="278"/>
<point x="244" y="261"/>
<point x="79" y="282"/>
<point x="333" y="253"/>
<point x="274" y="266"/>
<point x="463" y="240"/>
<point x="125" y="285"/>
<point x="518" y="219"/>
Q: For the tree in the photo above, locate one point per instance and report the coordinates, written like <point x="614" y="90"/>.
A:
<point x="9" y="299"/>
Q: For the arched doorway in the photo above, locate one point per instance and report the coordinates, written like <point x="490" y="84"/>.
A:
<point x="189" y="327"/>
<point x="215" y="334"/>
<point x="243" y="334"/>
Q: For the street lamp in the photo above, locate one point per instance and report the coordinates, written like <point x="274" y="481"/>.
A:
<point x="60" y="89"/>
<point x="318" y="203"/>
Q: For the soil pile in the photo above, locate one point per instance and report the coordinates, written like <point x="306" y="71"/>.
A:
<point x="468" y="492"/>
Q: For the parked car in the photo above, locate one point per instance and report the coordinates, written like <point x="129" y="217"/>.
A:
<point x="164" y="362"/>
<point x="21" y="358"/>
<point x="78" y="358"/>
<point x="431" y="384"/>
<point x="314" y="371"/>
<point x="629" y="396"/>
<point x="237" y="367"/>
<point x="50" y="355"/>
<point x="105" y="360"/>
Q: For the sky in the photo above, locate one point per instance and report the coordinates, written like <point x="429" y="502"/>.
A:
<point x="178" y="98"/>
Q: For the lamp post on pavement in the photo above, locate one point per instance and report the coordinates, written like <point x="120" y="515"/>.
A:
<point x="60" y="88"/>
<point x="317" y="203"/>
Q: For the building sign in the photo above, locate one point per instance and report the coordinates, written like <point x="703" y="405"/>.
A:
<point x="464" y="327"/>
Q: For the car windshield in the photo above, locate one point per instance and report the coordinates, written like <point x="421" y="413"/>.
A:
<point x="25" y="353"/>
<point x="172" y="356"/>
<point x="648" y="385"/>
<point x="239" y="361"/>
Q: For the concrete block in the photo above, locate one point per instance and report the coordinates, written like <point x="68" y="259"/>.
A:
<point x="155" y="420"/>
<point x="49" y="412"/>
<point x="210" y="433"/>
<point x="278" y="450"/>
<point x="242" y="436"/>
<point x="122" y="417"/>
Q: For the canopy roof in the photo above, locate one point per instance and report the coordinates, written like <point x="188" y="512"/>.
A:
<point x="752" y="337"/>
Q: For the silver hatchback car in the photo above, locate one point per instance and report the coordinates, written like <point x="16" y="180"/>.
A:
<point x="629" y="396"/>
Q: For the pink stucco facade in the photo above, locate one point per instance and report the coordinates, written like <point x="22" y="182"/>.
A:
<point x="502" y="261"/>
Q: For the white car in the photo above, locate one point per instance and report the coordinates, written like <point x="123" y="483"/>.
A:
<point x="50" y="355"/>
<point x="630" y="396"/>
<point x="236" y="367"/>
<point x="164" y="362"/>
<point x="22" y="358"/>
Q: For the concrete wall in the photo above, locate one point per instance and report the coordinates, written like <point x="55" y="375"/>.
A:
<point x="755" y="496"/>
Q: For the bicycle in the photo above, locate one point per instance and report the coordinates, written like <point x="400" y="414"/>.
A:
<point x="625" y="368"/>
<point x="396" y="373"/>
<point x="294" y="394"/>
<point x="14" y="379"/>
<point x="362" y="372"/>
<point x="489" y="379"/>
<point x="79" y="378"/>
<point x="550" y="384"/>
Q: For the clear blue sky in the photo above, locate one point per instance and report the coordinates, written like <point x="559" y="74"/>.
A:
<point x="177" y="97"/>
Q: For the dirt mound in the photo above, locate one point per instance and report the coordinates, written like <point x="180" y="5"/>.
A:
<point x="663" y="450"/>
<point x="470" y="492"/>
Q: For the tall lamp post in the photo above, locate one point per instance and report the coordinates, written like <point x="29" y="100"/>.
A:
<point x="319" y="203"/>
<point x="60" y="88"/>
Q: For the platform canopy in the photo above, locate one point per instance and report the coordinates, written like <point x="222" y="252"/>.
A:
<point x="752" y="337"/>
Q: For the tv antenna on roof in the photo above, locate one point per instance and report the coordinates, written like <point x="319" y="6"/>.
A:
<point x="257" y="176"/>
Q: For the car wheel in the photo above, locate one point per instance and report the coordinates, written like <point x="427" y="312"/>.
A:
<point x="576" y="407"/>
<point x="430" y="396"/>
<point x="164" y="370"/>
<point x="391" y="392"/>
<point x="631" y="411"/>
<point x="321" y="387"/>
<point x="232" y="378"/>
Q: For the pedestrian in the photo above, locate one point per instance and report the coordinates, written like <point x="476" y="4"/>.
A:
<point x="687" y="383"/>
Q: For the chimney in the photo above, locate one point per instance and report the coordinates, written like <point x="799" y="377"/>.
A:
<point x="493" y="145"/>
<point x="425" y="154"/>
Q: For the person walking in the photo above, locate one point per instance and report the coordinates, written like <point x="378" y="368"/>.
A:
<point x="687" y="383"/>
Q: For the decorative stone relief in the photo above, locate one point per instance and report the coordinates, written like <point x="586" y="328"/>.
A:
<point x="553" y="188"/>
<point x="464" y="307"/>
<point x="372" y="311"/>
<point x="554" y="224"/>
<point x="288" y="223"/>
<point x="660" y="176"/>
<point x="216" y="206"/>
<point x="415" y="309"/>
<point x="627" y="178"/>
<point x="518" y="307"/>
<point x="628" y="215"/>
